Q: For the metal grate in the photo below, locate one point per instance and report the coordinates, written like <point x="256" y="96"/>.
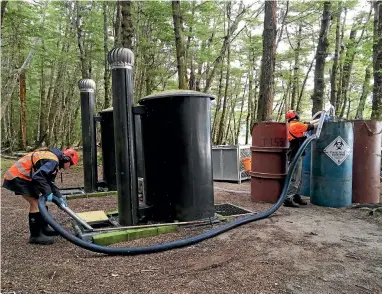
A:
<point x="227" y="209"/>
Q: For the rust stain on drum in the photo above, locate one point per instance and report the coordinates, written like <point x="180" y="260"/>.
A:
<point x="367" y="161"/>
<point x="269" y="160"/>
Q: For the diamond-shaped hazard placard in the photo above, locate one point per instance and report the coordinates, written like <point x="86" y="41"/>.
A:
<point x="338" y="150"/>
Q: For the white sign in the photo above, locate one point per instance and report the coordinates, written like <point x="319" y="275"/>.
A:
<point x="338" y="150"/>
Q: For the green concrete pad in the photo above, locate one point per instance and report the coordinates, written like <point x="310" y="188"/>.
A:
<point x="132" y="234"/>
<point x="114" y="212"/>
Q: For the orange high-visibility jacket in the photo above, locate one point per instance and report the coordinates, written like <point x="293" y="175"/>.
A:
<point x="297" y="130"/>
<point x="25" y="166"/>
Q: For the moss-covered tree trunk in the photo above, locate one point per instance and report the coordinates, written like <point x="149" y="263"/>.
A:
<point x="127" y="28"/>
<point x="333" y="76"/>
<point x="179" y="43"/>
<point x="377" y="62"/>
<point x="264" y="110"/>
<point x="321" y="54"/>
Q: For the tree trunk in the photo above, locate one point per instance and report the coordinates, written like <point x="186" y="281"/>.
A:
<point x="241" y="113"/>
<point x="288" y="91"/>
<point x="298" y="108"/>
<point x="221" y="124"/>
<point x="255" y="102"/>
<point x="333" y="77"/>
<point x="218" y="106"/>
<point x="231" y="115"/>
<point x="42" y="98"/>
<point x="377" y="62"/>
<point x="23" y="111"/>
<point x="190" y="57"/>
<point x="179" y="42"/>
<point x="55" y="105"/>
<point x="232" y="28"/>
<point x="200" y="65"/>
<point x="340" y="66"/>
<point x="127" y="25"/>
<point x="46" y="107"/>
<point x="346" y="71"/>
<point x="285" y="14"/>
<point x="117" y="25"/>
<point x="296" y="69"/>
<point x="106" y="76"/>
<point x="281" y="109"/>
<point x="264" y="111"/>
<point x="365" y="92"/>
<point x="321" y="53"/>
<point x="3" y="5"/>
<point x="12" y="83"/>
<point x="348" y="111"/>
<point x="348" y="63"/>
<point x="81" y="42"/>
<point x="249" y="107"/>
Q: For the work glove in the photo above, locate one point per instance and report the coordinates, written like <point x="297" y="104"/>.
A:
<point x="61" y="200"/>
<point x="49" y="197"/>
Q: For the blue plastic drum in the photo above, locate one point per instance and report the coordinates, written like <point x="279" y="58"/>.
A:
<point x="305" y="174"/>
<point x="332" y="162"/>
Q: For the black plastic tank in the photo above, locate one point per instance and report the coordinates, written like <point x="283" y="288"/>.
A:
<point x="108" y="148"/>
<point x="176" y="133"/>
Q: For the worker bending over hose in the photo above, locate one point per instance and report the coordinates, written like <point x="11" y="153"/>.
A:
<point x="33" y="176"/>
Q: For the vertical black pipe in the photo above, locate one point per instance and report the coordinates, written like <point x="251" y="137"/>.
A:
<point x="121" y="61"/>
<point x="87" y="88"/>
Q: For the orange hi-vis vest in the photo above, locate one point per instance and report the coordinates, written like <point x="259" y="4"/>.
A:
<point x="296" y="130"/>
<point x="24" y="167"/>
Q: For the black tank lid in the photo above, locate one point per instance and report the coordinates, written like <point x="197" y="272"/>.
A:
<point x="176" y="93"/>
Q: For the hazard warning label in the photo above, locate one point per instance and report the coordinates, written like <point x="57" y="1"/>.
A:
<point x="338" y="150"/>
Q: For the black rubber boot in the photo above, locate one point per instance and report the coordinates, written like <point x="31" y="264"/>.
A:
<point x="37" y="237"/>
<point x="297" y="199"/>
<point x="46" y="230"/>
<point x="289" y="202"/>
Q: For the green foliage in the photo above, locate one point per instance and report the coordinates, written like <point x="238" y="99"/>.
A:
<point x="56" y="64"/>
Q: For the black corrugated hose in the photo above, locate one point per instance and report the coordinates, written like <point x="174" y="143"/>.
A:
<point x="179" y="243"/>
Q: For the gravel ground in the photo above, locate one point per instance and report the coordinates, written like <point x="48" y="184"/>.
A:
<point x="305" y="250"/>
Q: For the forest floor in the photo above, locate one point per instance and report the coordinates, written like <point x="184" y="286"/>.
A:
<point x="305" y="250"/>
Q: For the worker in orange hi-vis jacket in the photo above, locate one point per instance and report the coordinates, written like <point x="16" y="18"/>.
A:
<point x="33" y="176"/>
<point x="296" y="137"/>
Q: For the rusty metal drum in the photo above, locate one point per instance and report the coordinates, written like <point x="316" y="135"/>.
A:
<point x="367" y="161"/>
<point x="269" y="160"/>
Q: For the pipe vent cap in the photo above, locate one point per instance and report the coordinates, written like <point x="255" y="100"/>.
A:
<point x="86" y="85"/>
<point x="120" y="58"/>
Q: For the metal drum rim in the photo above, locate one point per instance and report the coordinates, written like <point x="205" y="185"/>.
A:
<point x="266" y="175"/>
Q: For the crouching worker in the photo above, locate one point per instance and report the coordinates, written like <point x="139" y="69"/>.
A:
<point x="33" y="176"/>
<point x="296" y="137"/>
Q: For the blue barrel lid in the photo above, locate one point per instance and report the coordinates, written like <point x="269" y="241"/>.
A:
<point x="175" y="94"/>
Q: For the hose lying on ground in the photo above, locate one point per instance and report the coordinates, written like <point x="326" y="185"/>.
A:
<point x="232" y="191"/>
<point x="183" y="242"/>
<point x="174" y="244"/>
